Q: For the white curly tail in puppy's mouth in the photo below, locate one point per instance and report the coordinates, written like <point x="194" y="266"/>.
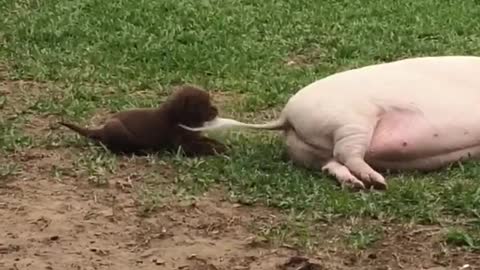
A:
<point x="216" y="124"/>
<point x="220" y="123"/>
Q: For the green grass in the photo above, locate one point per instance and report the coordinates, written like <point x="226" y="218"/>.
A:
<point x="254" y="172"/>
<point x="121" y="54"/>
<point x="462" y="238"/>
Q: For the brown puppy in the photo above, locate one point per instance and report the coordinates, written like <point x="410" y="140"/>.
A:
<point x="142" y="131"/>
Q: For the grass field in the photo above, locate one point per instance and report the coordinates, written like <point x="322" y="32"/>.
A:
<point x="80" y="60"/>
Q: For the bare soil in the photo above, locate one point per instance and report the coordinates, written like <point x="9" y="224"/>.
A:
<point x="49" y="221"/>
<point x="69" y="224"/>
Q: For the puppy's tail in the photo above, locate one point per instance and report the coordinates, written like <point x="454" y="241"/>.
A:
<point x="93" y="134"/>
<point x="225" y="123"/>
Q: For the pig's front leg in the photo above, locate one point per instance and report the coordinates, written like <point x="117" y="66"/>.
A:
<point x="350" y="144"/>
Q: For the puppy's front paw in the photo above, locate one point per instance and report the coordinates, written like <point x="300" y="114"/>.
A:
<point x="220" y="148"/>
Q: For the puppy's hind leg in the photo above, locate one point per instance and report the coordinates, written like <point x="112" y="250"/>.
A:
<point x="119" y="140"/>
<point x="350" y="144"/>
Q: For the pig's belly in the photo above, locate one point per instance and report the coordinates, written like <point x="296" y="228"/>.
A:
<point x="409" y="140"/>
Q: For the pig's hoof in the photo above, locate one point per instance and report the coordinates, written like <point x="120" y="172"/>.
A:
<point x="374" y="179"/>
<point x="366" y="174"/>
<point x="353" y="184"/>
<point x="343" y="176"/>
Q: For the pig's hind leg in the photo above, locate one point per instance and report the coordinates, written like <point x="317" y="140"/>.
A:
<point x="351" y="141"/>
<point x="307" y="156"/>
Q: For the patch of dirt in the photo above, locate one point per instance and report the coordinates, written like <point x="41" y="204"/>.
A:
<point x="305" y="58"/>
<point x="50" y="223"/>
<point x="20" y="95"/>
<point x="227" y="100"/>
<point x="52" y="218"/>
<point x="229" y="104"/>
<point x="410" y="247"/>
<point x="233" y="105"/>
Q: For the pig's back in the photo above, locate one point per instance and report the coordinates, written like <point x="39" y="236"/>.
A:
<point x="431" y="84"/>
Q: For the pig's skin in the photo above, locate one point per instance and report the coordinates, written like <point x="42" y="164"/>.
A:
<point x="412" y="114"/>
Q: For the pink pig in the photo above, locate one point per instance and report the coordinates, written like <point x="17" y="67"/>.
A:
<point x="412" y="114"/>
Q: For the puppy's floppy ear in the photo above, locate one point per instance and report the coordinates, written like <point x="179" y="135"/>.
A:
<point x="193" y="107"/>
<point x="189" y="106"/>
